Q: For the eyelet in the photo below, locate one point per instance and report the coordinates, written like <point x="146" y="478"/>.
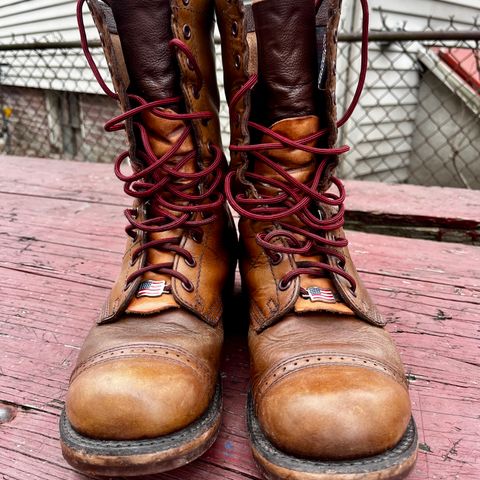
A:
<point x="353" y="292"/>
<point x="210" y="147"/>
<point x="188" y="288"/>
<point x="276" y="259"/>
<point x="126" y="286"/>
<point x="196" y="237"/>
<point x="195" y="92"/>
<point x="190" y="64"/>
<point x="283" y="286"/>
<point x="237" y="61"/>
<point x="186" y="2"/>
<point x="187" y="32"/>
<point x="192" y="263"/>
<point x="134" y="260"/>
<point x="234" y="28"/>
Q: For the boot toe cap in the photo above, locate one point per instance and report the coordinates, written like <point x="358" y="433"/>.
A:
<point x="335" y="413"/>
<point x="134" y="398"/>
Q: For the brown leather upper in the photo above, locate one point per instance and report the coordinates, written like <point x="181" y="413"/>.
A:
<point x="328" y="386"/>
<point x="235" y="61"/>
<point x="287" y="77"/>
<point x="144" y="376"/>
<point x="150" y="365"/>
<point x="327" y="381"/>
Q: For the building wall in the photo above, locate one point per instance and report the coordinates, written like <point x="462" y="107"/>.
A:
<point x="29" y="132"/>
<point x="381" y="129"/>
<point x="449" y="147"/>
<point x="58" y="124"/>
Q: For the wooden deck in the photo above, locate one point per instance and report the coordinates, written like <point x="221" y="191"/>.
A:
<point x="62" y="238"/>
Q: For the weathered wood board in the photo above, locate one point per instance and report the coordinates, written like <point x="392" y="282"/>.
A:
<point x="56" y="267"/>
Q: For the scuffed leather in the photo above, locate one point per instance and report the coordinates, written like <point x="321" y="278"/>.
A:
<point x="122" y="293"/>
<point x="328" y="386"/>
<point x="359" y="300"/>
<point x="212" y="274"/>
<point x="149" y="368"/>
<point x="144" y="376"/>
<point x="261" y="278"/>
<point x="235" y="60"/>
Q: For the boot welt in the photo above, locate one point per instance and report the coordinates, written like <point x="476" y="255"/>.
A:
<point x="142" y="457"/>
<point x="394" y="464"/>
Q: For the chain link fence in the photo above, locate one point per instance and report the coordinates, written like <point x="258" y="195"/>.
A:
<point x="418" y="120"/>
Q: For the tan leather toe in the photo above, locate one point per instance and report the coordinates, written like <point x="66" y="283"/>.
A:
<point x="334" y="412"/>
<point x="136" y="397"/>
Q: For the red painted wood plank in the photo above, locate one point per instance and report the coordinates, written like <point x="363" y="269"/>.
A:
<point x="96" y="183"/>
<point x="53" y="286"/>
<point x="439" y="203"/>
<point x="92" y="182"/>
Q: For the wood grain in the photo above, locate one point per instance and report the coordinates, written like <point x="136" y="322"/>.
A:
<point x="61" y="229"/>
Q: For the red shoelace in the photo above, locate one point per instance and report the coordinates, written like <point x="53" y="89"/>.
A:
<point x="175" y="198"/>
<point x="294" y="198"/>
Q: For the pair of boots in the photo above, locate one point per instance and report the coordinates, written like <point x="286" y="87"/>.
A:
<point x="328" y="398"/>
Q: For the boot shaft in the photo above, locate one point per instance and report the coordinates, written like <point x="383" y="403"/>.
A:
<point x="194" y="71"/>
<point x="241" y="56"/>
<point x="290" y="224"/>
<point x="179" y="217"/>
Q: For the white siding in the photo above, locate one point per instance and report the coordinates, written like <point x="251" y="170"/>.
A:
<point x="390" y="96"/>
<point x="36" y="20"/>
<point x="381" y="129"/>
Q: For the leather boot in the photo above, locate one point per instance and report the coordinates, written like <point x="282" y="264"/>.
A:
<point x="329" y="398"/>
<point x="144" y="396"/>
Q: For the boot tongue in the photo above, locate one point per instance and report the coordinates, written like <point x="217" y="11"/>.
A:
<point x="163" y="134"/>
<point x="298" y="163"/>
<point x="145" y="32"/>
<point x="320" y="293"/>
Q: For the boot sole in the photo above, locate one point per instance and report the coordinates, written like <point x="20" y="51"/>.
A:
<point x="394" y="464"/>
<point x="141" y="457"/>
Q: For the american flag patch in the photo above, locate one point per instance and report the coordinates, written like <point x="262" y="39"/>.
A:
<point x="318" y="294"/>
<point x="151" y="288"/>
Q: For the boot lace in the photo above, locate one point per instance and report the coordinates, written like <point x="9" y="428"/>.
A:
<point x="294" y="198"/>
<point x="186" y="205"/>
